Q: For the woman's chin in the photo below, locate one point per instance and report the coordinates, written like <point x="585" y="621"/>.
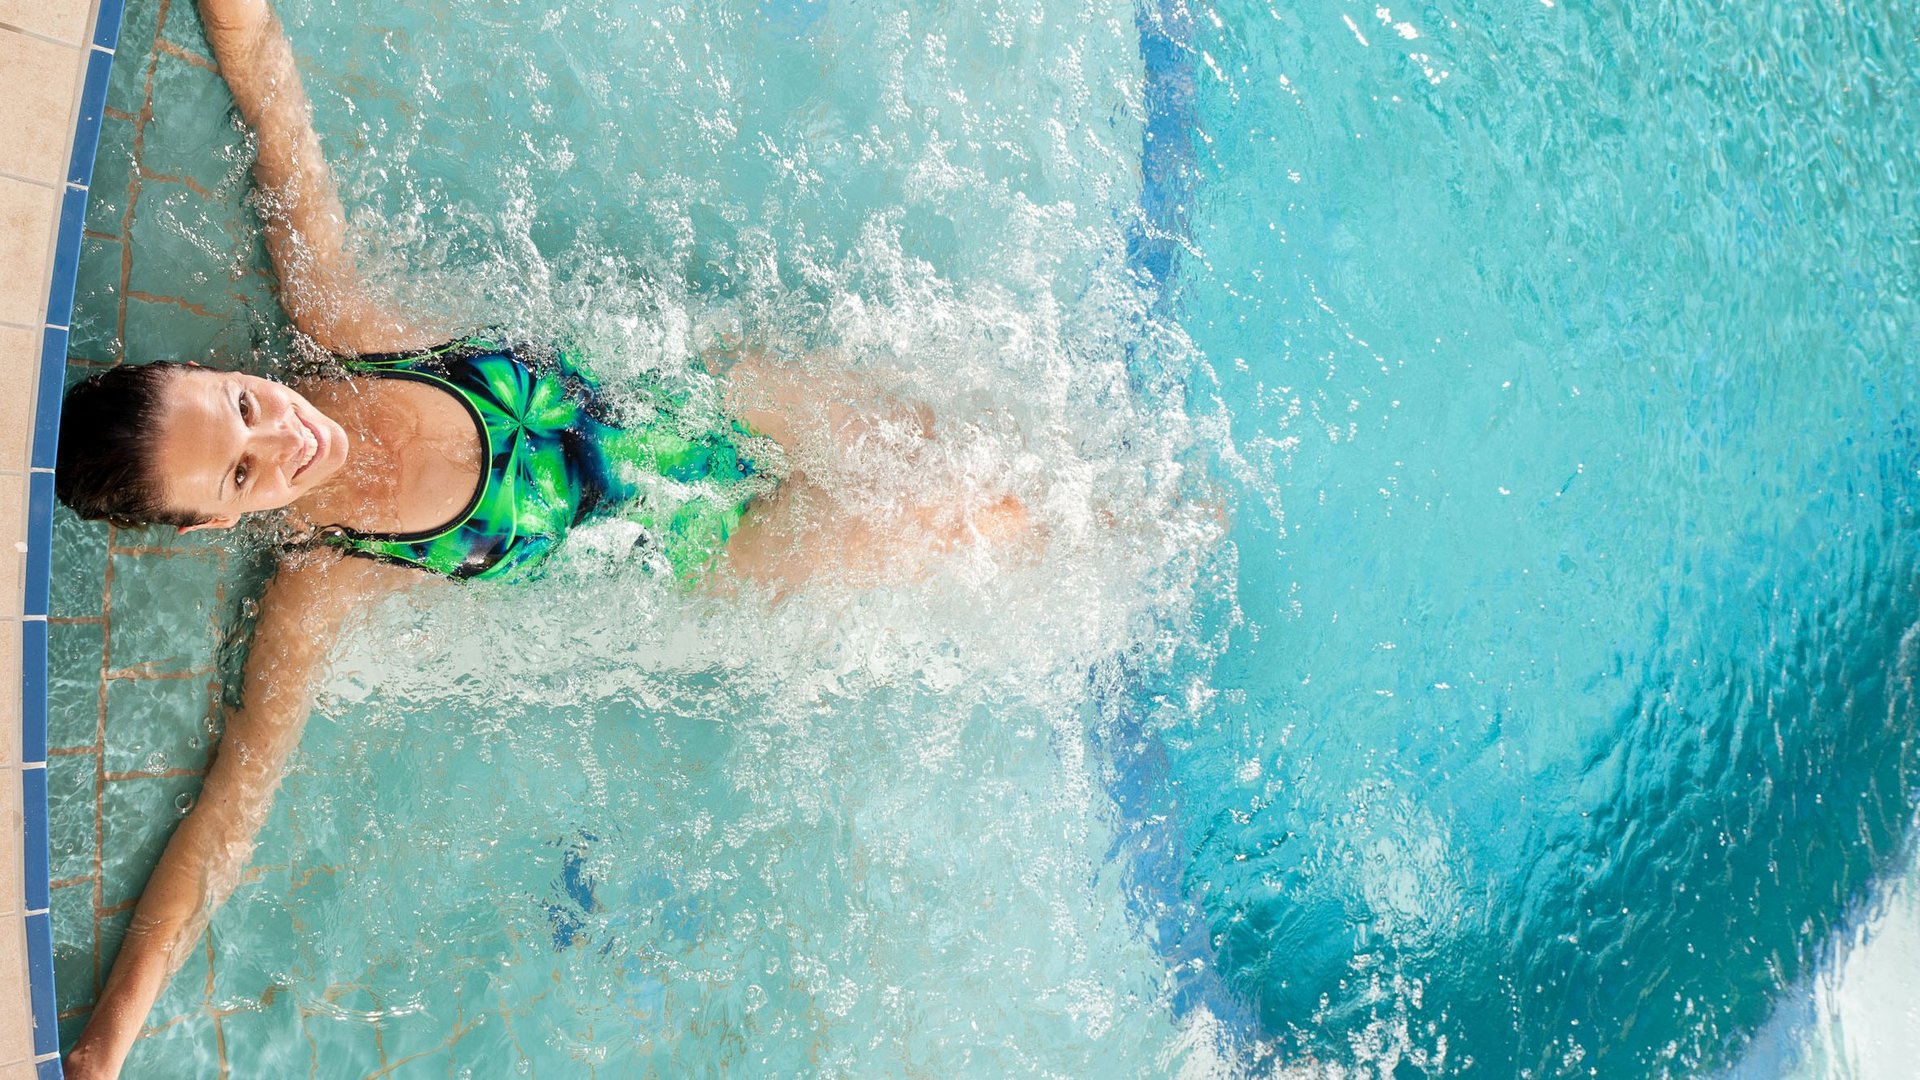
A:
<point x="320" y="475"/>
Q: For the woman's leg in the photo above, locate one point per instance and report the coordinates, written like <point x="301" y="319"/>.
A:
<point x="803" y="533"/>
<point x="857" y="537"/>
<point x="817" y="411"/>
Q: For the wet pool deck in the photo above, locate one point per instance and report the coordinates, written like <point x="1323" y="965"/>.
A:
<point x="56" y="74"/>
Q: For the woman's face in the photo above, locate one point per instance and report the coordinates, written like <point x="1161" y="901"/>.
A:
<point x="231" y="444"/>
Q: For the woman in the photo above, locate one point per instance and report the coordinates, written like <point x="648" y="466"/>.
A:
<point x="469" y="459"/>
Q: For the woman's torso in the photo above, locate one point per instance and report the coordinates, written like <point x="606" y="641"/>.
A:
<point x="550" y="453"/>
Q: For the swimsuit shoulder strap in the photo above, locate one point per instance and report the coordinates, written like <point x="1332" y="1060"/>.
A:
<point x="438" y="549"/>
<point x="436" y="357"/>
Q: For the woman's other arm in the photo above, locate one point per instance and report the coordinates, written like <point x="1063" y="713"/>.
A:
<point x="300" y="616"/>
<point x="306" y="228"/>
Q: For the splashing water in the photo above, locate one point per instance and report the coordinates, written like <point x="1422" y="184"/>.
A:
<point x="857" y="831"/>
<point x="1472" y="633"/>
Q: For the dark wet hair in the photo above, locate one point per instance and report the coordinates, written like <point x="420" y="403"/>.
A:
<point x="108" y="428"/>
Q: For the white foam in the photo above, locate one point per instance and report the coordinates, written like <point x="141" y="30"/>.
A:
<point x="1858" y="1016"/>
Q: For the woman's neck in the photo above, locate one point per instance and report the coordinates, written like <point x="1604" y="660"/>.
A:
<point x="414" y="456"/>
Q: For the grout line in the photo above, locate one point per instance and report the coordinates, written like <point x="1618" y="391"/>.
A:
<point x="142" y="672"/>
<point x="219" y="1030"/>
<point x="187" y="182"/>
<point x="37" y="36"/>
<point x="33" y="764"/>
<point x="155" y="774"/>
<point x="35" y="911"/>
<point x="178" y="53"/>
<point x="100" y="760"/>
<point x="50" y="185"/>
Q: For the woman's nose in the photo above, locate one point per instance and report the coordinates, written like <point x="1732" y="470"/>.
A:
<point x="288" y="439"/>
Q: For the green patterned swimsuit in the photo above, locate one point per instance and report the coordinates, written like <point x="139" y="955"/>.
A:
<point x="555" y="456"/>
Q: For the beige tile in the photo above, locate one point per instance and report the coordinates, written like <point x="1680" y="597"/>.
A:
<point x="62" y="20"/>
<point x="13" y="532"/>
<point x="9" y="701"/>
<point x="27" y="214"/>
<point x="13" y="847"/>
<point x="36" y="106"/>
<point x="16" y="1012"/>
<point x="19" y="373"/>
<point x="24" y="1069"/>
<point x="13" y="549"/>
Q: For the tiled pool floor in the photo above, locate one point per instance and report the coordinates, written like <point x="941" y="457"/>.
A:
<point x="171" y="263"/>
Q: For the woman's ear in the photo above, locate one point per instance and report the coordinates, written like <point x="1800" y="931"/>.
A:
<point x="210" y="523"/>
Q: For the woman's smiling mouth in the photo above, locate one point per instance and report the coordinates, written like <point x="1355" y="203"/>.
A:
<point x="316" y="443"/>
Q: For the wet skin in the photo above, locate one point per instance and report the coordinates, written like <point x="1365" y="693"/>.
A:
<point x="378" y="455"/>
<point x="231" y="444"/>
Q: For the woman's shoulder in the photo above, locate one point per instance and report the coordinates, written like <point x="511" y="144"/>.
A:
<point x="490" y="349"/>
<point x="465" y="345"/>
<point x="322" y="577"/>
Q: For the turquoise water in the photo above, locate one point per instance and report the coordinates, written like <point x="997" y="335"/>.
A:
<point x="1472" y="638"/>
<point x="1567" y="701"/>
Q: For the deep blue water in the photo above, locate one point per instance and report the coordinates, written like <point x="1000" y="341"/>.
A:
<point x="1559" y="705"/>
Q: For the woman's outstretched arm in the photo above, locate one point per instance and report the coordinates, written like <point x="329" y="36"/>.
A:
<point x="306" y="228"/>
<point x="300" y="616"/>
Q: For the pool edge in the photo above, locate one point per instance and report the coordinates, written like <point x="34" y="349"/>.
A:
<point x="51" y="127"/>
<point x="1151" y="843"/>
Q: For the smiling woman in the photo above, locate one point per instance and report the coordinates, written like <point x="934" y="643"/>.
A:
<point x="232" y="444"/>
<point x="468" y="459"/>
<point x="177" y="444"/>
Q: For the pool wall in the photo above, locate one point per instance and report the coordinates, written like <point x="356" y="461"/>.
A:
<point x="1150" y="810"/>
<point x="57" y="55"/>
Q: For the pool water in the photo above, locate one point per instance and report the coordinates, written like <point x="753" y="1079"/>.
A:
<point x="1473" y="635"/>
<point x="1571" y="370"/>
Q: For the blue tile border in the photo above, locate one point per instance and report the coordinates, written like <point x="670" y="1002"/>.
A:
<point x="46" y="1029"/>
<point x="39" y="550"/>
<point x="33" y="690"/>
<point x="1166" y="146"/>
<point x="39" y="896"/>
<point x="33" y="694"/>
<point x="46" y="441"/>
<point x="46" y="409"/>
<point x="106" y="28"/>
<point x="66" y="255"/>
<point x="93" y="103"/>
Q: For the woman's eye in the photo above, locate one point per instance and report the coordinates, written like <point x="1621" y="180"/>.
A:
<point x="239" y="476"/>
<point x="246" y="408"/>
